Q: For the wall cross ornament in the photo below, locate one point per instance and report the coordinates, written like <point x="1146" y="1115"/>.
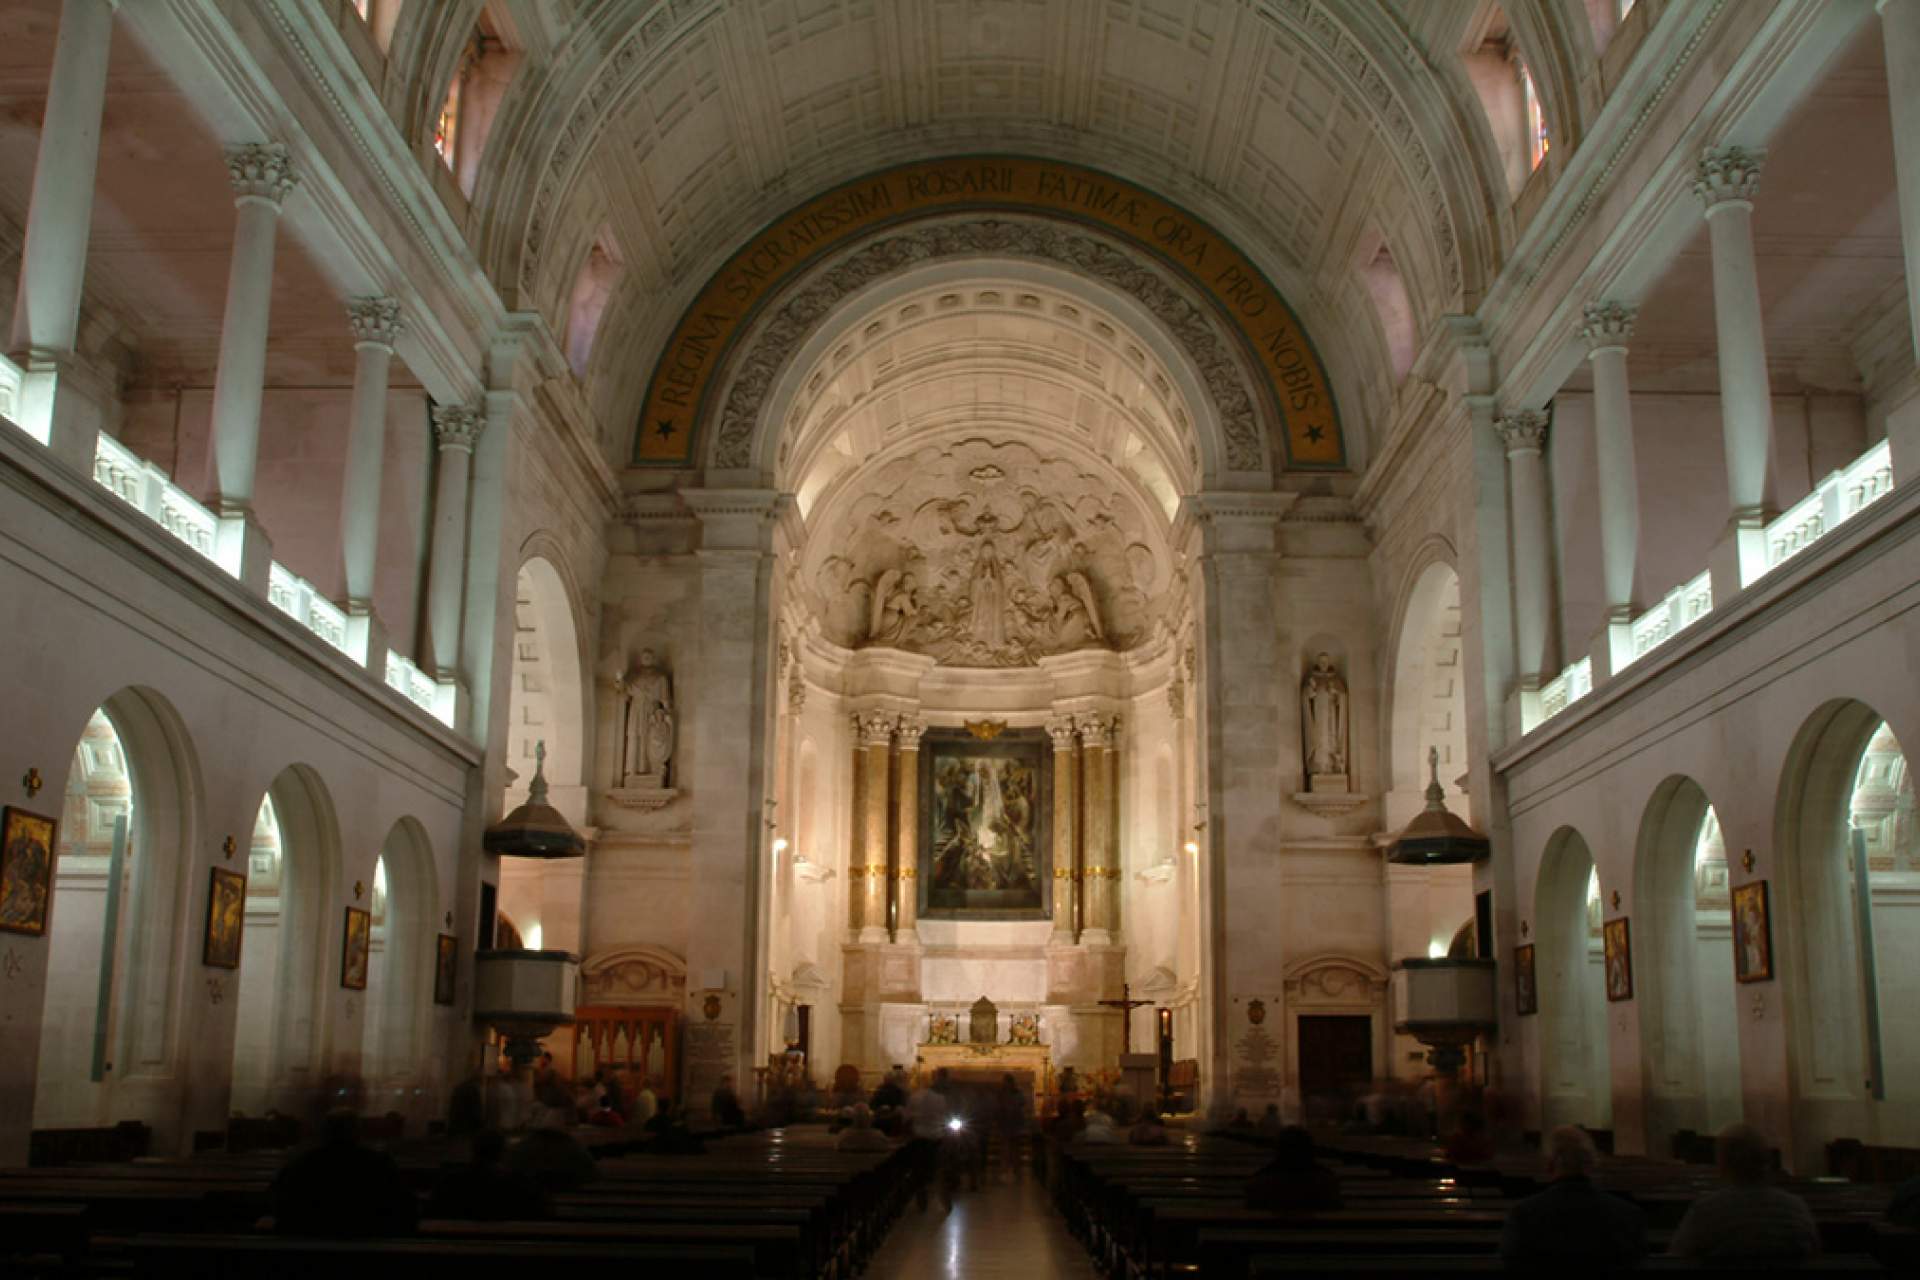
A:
<point x="32" y="782"/>
<point x="1523" y="928"/>
<point x="227" y="847"/>
<point x="1616" y="899"/>
<point x="359" y="890"/>
<point x="1747" y="860"/>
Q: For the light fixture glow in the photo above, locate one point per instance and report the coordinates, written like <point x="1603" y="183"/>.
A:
<point x="1436" y="951"/>
<point x="779" y="845"/>
<point x="956" y="1124"/>
<point x="1193" y="848"/>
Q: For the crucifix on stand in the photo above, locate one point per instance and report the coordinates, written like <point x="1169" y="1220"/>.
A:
<point x="1126" y="1005"/>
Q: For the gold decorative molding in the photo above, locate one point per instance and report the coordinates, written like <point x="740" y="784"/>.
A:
<point x="986" y="730"/>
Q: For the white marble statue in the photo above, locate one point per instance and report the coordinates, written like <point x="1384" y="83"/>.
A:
<point x="894" y="606"/>
<point x="650" y="723"/>
<point x="1323" y="714"/>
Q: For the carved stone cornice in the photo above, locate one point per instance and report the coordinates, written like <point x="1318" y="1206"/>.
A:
<point x="1607" y="326"/>
<point x="375" y="321"/>
<point x="457" y="426"/>
<point x="261" y="171"/>
<point x="1522" y="431"/>
<point x="1727" y="176"/>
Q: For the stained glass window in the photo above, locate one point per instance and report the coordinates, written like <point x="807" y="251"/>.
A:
<point x="1537" y="141"/>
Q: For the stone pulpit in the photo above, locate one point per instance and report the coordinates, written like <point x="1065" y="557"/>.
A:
<point x="983" y="1023"/>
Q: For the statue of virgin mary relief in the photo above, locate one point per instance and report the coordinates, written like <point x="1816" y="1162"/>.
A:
<point x="980" y="554"/>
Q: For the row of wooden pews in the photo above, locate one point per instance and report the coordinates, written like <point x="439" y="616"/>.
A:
<point x="752" y="1207"/>
<point x="1150" y="1212"/>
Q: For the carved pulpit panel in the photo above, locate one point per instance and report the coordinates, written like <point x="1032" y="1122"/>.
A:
<point x="983" y="1023"/>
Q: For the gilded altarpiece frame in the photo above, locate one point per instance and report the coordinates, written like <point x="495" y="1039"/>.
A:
<point x="986" y="832"/>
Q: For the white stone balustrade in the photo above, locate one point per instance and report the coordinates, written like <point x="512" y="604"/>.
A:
<point x="411" y="682"/>
<point x="1683" y="606"/>
<point x="145" y="487"/>
<point x="1841" y="496"/>
<point x="1572" y="684"/>
<point x="294" y="596"/>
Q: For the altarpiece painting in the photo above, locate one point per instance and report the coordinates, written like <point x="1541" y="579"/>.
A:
<point x="986" y="850"/>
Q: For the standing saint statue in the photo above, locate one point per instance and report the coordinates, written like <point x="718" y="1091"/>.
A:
<point x="1323" y="716"/>
<point x="648" y="744"/>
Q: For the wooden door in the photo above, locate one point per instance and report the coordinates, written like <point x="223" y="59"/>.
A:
<point x="1336" y="1053"/>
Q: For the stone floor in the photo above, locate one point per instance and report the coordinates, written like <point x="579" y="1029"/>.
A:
<point x="1005" y="1229"/>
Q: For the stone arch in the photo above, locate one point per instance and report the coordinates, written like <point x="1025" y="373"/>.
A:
<point x="550" y="699"/>
<point x="288" y="947"/>
<point x="400" y="981"/>
<point x="97" y="1066"/>
<point x="1848" y="1077"/>
<point x="1429" y="597"/>
<point x="1575" y="1071"/>
<point x="1684" y="989"/>
<point x="1231" y="434"/>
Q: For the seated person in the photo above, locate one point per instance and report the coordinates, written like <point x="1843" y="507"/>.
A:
<point x="860" y="1135"/>
<point x="1241" y="1122"/>
<point x="552" y="1159"/>
<point x="1270" y="1123"/>
<point x="483" y="1190"/>
<point x="725" y="1106"/>
<point x="891" y="1093"/>
<point x="1148" y="1131"/>
<point x="341" y="1188"/>
<point x="1470" y="1143"/>
<point x="1099" y="1130"/>
<point x="1573" y="1224"/>
<point x="1294" y="1182"/>
<point x="1747" y="1220"/>
<point x="1904" y="1209"/>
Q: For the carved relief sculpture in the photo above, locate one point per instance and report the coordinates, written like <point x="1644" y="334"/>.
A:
<point x="987" y="554"/>
<point x="1323" y="716"/>
<point x="647" y="691"/>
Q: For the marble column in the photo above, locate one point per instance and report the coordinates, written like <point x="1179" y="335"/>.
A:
<point x="906" y="829"/>
<point x="376" y="325"/>
<point x="262" y="177"/>
<point x="455" y="429"/>
<point x="1101" y="867"/>
<point x="1900" y="34"/>
<point x="1524" y="434"/>
<point x="873" y="731"/>
<point x="1066" y="814"/>
<point x="53" y="260"/>
<point x="1725" y="181"/>
<point x="1607" y="328"/>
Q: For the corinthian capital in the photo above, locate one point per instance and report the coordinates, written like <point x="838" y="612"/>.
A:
<point x="1727" y="174"/>
<point x="910" y="729"/>
<point x="457" y="426"/>
<point x="1097" y="730"/>
<point x="1607" y="325"/>
<point x="1060" y="729"/>
<point x="873" y="728"/>
<point x="261" y="171"/>
<point x="375" y="320"/>
<point x="1522" y="431"/>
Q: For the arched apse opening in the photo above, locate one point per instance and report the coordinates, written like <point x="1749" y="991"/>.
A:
<point x="1576" y="1077"/>
<point x="405" y="906"/>
<point x="292" y="867"/>
<point x="1847" y="932"/>
<point x="1690" y="1044"/>
<point x="109" y="1033"/>
<point x="1429" y="697"/>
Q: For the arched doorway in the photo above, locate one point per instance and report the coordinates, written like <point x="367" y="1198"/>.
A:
<point x="284" y="971"/>
<point x="109" y="1040"/>
<point x="1689" y="1041"/>
<point x="1576" y="1076"/>
<point x="1848" y="932"/>
<point x="1429" y="696"/>
<point x="404" y="905"/>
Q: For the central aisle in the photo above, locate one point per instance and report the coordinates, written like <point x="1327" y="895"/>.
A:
<point x="1003" y="1230"/>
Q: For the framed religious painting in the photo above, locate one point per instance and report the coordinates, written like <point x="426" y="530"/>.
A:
<point x="226" y="916"/>
<point x="1752" y="933"/>
<point x="26" y="870"/>
<point x="986" y="841"/>
<point x="1526" y="992"/>
<point x="355" y="943"/>
<point x="445" y="962"/>
<point x="1619" y="960"/>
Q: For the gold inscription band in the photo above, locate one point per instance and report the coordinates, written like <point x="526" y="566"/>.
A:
<point x="1290" y="371"/>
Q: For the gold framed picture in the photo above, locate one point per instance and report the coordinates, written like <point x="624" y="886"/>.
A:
<point x="1619" y="960"/>
<point x="1752" y="933"/>
<point x="355" y="945"/>
<point x="26" y="870"/>
<point x="1526" y="991"/>
<point x="226" y="917"/>
<point x="446" y="959"/>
